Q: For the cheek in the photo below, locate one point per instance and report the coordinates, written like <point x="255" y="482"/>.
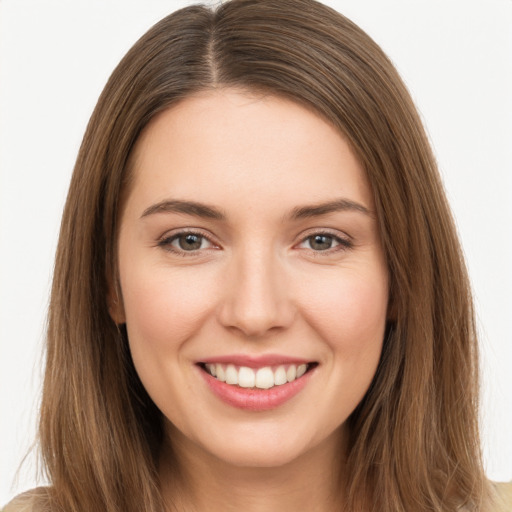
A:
<point x="164" y="308"/>
<point x="349" y="312"/>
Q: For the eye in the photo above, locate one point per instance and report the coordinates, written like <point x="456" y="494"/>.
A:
<point x="319" y="242"/>
<point x="186" y="242"/>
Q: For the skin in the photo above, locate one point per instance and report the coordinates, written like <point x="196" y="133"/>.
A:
<point x="256" y="285"/>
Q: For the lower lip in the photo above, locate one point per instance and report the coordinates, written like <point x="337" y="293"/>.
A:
<point x="252" y="399"/>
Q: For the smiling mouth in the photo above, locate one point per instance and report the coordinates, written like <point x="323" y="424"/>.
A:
<point x="266" y="377"/>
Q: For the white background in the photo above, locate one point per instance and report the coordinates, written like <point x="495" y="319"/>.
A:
<point x="456" y="58"/>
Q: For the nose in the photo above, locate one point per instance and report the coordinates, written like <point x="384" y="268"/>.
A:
<point x="257" y="299"/>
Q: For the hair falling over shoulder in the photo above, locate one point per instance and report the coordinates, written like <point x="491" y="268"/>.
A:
<point x="414" y="438"/>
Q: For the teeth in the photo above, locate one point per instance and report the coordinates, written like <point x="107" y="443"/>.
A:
<point x="301" y="370"/>
<point x="291" y="373"/>
<point x="231" y="375"/>
<point x="220" y="373"/>
<point x="280" y="376"/>
<point x="263" y="378"/>
<point x="212" y="369"/>
<point x="246" y="377"/>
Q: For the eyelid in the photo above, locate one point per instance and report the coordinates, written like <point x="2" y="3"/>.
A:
<point x="336" y="233"/>
<point x="344" y="240"/>
<point x="169" y="236"/>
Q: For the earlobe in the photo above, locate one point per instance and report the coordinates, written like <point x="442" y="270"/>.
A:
<point x="116" y="309"/>
<point x="115" y="303"/>
<point x="392" y="313"/>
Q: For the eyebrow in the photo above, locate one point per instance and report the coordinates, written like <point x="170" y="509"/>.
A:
<point x="336" y="205"/>
<point x="187" y="207"/>
<point x="211" y="212"/>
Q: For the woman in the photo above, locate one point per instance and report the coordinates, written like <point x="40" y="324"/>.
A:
<point x="259" y="298"/>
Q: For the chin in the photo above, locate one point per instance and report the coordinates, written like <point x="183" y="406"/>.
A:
<point x="260" y="456"/>
<point x="261" y="446"/>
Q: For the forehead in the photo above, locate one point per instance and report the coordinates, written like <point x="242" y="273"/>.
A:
<point x="224" y="143"/>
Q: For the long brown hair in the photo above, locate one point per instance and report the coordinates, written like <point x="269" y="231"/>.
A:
<point x="415" y="442"/>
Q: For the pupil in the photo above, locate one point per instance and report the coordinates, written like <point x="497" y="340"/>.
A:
<point x="190" y="242"/>
<point x="321" y="242"/>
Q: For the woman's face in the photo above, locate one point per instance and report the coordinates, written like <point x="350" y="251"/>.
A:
<point x="249" y="253"/>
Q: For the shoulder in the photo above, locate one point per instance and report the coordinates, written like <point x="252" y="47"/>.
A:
<point x="504" y="491"/>
<point x="30" y="501"/>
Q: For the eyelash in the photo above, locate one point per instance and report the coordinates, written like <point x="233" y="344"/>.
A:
<point x="166" y="242"/>
<point x="343" y="244"/>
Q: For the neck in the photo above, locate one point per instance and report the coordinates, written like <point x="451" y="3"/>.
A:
<point x="193" y="480"/>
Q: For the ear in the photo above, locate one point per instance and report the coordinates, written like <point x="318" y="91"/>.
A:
<point x="392" y="313"/>
<point x="116" y="309"/>
<point x="115" y="302"/>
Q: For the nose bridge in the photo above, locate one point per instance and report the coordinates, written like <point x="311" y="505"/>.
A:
<point x="257" y="299"/>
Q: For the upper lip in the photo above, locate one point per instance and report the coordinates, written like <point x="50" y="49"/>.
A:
<point x="252" y="361"/>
